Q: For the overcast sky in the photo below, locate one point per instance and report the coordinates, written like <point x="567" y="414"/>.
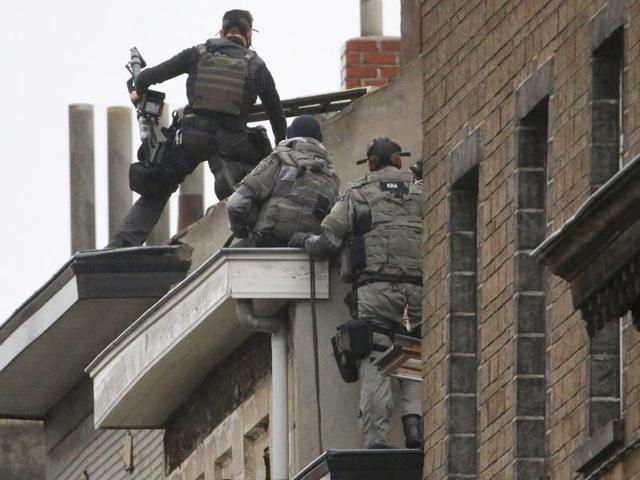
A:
<point x="73" y="51"/>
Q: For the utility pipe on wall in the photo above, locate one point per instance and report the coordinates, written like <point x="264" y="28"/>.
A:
<point x="279" y="383"/>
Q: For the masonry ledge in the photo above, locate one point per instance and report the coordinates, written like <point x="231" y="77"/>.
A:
<point x="47" y="343"/>
<point x="598" y="445"/>
<point x="147" y="372"/>
<point x="597" y="251"/>
<point x="609" y="211"/>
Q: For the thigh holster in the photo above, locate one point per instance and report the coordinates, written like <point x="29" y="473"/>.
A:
<point x="351" y="343"/>
<point x="150" y="180"/>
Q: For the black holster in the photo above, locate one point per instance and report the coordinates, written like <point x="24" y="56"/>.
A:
<point x="151" y="180"/>
<point x="352" y="342"/>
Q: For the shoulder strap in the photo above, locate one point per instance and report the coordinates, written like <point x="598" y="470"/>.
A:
<point x="202" y="48"/>
<point x="285" y="155"/>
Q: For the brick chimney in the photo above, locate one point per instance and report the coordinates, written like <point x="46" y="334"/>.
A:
<point x="372" y="58"/>
<point x="370" y="61"/>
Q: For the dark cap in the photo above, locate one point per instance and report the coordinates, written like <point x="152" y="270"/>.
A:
<point x="305" y="126"/>
<point x="382" y="149"/>
<point x="240" y="19"/>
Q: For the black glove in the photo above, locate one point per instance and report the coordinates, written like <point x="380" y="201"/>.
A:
<point x="297" y="240"/>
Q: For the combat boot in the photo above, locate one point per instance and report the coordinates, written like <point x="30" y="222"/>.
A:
<point x="413" y="430"/>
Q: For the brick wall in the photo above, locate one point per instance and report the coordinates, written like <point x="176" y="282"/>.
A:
<point x="370" y="61"/>
<point x="479" y="58"/>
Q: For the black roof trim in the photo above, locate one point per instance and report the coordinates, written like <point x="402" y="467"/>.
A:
<point x="169" y="258"/>
<point x="391" y="464"/>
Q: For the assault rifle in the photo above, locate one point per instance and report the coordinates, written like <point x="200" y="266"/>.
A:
<point x="154" y="138"/>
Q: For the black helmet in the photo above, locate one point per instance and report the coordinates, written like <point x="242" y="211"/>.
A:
<point x="240" y="19"/>
<point x="305" y="126"/>
<point x="381" y="151"/>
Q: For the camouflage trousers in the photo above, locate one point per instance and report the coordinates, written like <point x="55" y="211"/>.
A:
<point x="386" y="304"/>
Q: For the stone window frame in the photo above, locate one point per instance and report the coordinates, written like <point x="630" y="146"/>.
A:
<point x="605" y="392"/>
<point x="605" y="149"/>
<point x="463" y="325"/>
<point x="531" y="281"/>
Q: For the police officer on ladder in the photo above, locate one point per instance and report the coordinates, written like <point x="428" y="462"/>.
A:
<point x="293" y="189"/>
<point x="378" y="223"/>
<point x="224" y="80"/>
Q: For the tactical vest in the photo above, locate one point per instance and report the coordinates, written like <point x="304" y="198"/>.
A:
<point x="302" y="197"/>
<point x="387" y="235"/>
<point x="221" y="81"/>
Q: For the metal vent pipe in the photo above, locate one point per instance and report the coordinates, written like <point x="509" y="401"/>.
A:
<point x="119" y="152"/>
<point x="82" y="178"/>
<point x="370" y="18"/>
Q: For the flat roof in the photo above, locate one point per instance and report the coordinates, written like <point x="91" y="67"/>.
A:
<point x="49" y="340"/>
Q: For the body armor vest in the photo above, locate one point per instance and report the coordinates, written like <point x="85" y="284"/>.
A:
<point x="387" y="235"/>
<point x="221" y="81"/>
<point x="305" y="192"/>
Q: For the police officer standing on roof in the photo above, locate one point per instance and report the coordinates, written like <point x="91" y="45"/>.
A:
<point x="291" y="190"/>
<point x="378" y="223"/>
<point x="224" y="80"/>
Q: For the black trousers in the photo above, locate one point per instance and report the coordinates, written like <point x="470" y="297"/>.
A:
<point x="225" y="145"/>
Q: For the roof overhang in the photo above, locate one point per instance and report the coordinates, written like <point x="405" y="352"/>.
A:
<point x="47" y="343"/>
<point x="597" y="250"/>
<point x="140" y="379"/>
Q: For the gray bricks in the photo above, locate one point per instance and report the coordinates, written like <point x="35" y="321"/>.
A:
<point x="530" y="399"/>
<point x="530" y="355"/>
<point x="528" y="273"/>
<point x="460" y="420"/>
<point x="530" y="313"/>
<point x="530" y="226"/>
<point x="529" y="285"/>
<point x="462" y="361"/>
<point x="530" y="438"/>
<point x="463" y="333"/>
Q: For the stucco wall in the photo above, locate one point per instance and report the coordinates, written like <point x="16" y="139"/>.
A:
<point x="393" y="111"/>
<point x="21" y="450"/>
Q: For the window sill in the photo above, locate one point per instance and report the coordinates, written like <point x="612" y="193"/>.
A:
<point x="591" y="453"/>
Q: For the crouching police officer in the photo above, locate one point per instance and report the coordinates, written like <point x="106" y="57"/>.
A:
<point x="291" y="190"/>
<point x="224" y="80"/>
<point x="378" y="223"/>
